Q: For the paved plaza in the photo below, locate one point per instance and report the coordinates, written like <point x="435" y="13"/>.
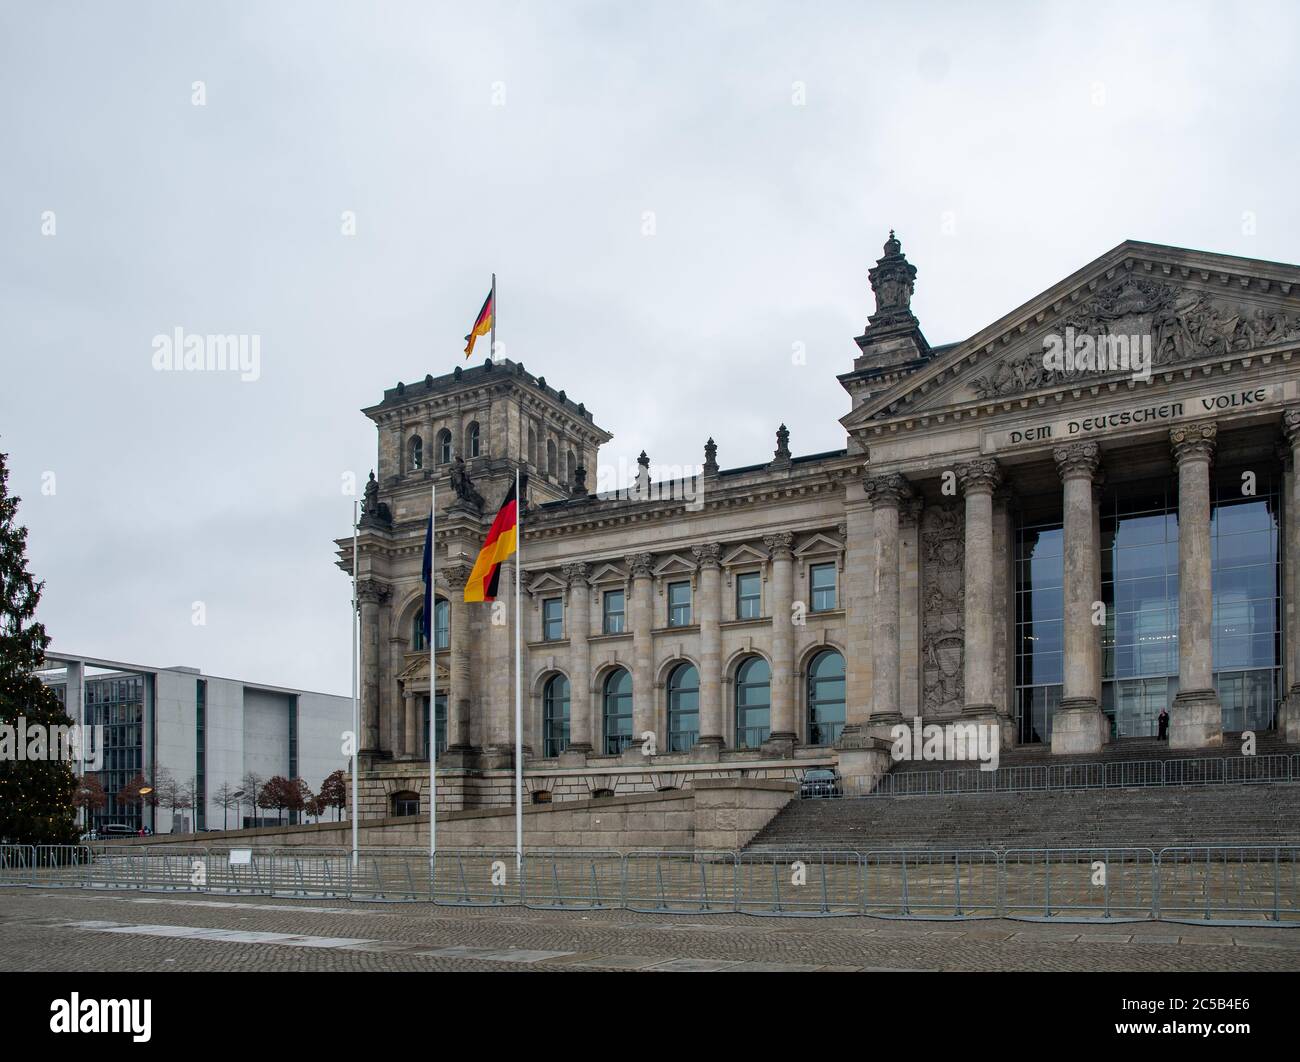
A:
<point x="79" y="930"/>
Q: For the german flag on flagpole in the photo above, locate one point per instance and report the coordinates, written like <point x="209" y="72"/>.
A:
<point x="486" y="320"/>
<point x="501" y="542"/>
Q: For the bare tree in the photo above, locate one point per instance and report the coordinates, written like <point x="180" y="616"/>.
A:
<point x="253" y="783"/>
<point x="226" y="796"/>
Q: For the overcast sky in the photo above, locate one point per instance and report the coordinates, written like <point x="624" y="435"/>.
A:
<point x="770" y="146"/>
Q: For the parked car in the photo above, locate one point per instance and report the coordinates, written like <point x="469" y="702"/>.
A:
<point x="118" y="829"/>
<point x="821" y="782"/>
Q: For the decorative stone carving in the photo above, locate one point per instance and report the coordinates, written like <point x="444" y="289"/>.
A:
<point x="1291" y="423"/>
<point x="1183" y="324"/>
<point x="892" y="281"/>
<point x="943" y="600"/>
<point x="708" y="555"/>
<point x="372" y="591"/>
<point x="575" y="574"/>
<point x="466" y="496"/>
<point x="779" y="545"/>
<point x="1077" y="459"/>
<point x="909" y="511"/>
<point x="710" y="457"/>
<point x="1193" y="440"/>
<point x="456" y="576"/>
<point x="579" y="489"/>
<point x="781" y="455"/>
<point x="982" y="474"/>
<point x="639" y="565"/>
<point x="373" y="511"/>
<point x="888" y="489"/>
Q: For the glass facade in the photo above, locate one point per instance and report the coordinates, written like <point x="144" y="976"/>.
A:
<point x="1139" y="587"/>
<point x="117" y="705"/>
<point x="201" y="754"/>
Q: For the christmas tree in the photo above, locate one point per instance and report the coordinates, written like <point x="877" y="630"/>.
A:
<point x="36" y="795"/>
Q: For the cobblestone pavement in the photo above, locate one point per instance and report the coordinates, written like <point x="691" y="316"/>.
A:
<point x="74" y="929"/>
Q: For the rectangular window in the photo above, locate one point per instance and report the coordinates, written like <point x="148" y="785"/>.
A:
<point x="821" y="580"/>
<point x="614" y="611"/>
<point x="749" y="599"/>
<point x="200" y="754"/>
<point x="679" y="604"/>
<point x="553" y="619"/>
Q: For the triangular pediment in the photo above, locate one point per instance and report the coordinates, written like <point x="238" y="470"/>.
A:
<point x="818" y="545"/>
<point x="547" y="582"/>
<point x="607" y="573"/>
<point x="1178" y="307"/>
<point x="674" y="564"/>
<point x="743" y="554"/>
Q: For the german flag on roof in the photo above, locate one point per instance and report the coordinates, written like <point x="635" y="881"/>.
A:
<point x="499" y="544"/>
<point x="483" y="322"/>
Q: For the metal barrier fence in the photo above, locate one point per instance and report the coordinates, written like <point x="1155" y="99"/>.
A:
<point x="1240" y="885"/>
<point x="1119" y="774"/>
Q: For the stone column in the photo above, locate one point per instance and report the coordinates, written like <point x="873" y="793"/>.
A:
<point x="1004" y="611"/>
<point x="371" y="594"/>
<point x="459" y="742"/>
<point x="1079" y="725"/>
<point x="910" y="613"/>
<point x="859" y="552"/>
<point x="1196" y="719"/>
<point x="885" y="492"/>
<point x="712" y="729"/>
<point x="579" y="631"/>
<point x="978" y="480"/>
<point x="1288" y="720"/>
<point x="781" y="739"/>
<point x="641" y="615"/>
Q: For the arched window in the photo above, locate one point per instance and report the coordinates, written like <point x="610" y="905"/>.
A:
<point x="753" y="702"/>
<point x="441" y="624"/>
<point x="444" y="447"/>
<point x="683" y="708"/>
<point x="550" y="457"/>
<point x="617" y="712"/>
<point x="555" y="716"/>
<point x="825" y="698"/>
<point x="571" y="465"/>
<point x="532" y="446"/>
<point x="406" y="803"/>
<point x="471" y="440"/>
<point x="416" y="453"/>
<point x="417" y="631"/>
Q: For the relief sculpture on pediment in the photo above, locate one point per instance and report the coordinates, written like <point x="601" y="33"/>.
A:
<point x="943" y="602"/>
<point x="1180" y="324"/>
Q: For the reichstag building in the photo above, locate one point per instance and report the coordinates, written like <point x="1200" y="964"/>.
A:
<point x="1058" y="546"/>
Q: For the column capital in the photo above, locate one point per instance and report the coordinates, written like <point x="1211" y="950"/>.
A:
<point x="910" y="509"/>
<point x="639" y="565"/>
<point x="372" y="591"/>
<point x="577" y="574"/>
<point x="886" y="490"/>
<point x="780" y="545"/>
<point x="456" y="575"/>
<point x="983" y="475"/>
<point x="1291" y="425"/>
<point x="708" y="554"/>
<point x="1077" y="459"/>
<point x="1193" y="441"/>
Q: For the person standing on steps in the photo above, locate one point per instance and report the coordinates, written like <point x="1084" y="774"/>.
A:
<point x="1163" y="733"/>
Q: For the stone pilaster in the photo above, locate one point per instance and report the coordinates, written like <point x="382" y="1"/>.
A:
<point x="978" y="481"/>
<point x="1196" y="719"/>
<point x="886" y="493"/>
<point x="370" y="594"/>
<point x="859" y="553"/>
<point x="1079" y="725"/>
<point x="712" y="730"/>
<point x="411" y="740"/>
<point x="501" y="676"/>
<point x="459" y="743"/>
<point x="783" y="732"/>
<point x="641" y="616"/>
<point x="1288" y="721"/>
<point x="579" y="631"/>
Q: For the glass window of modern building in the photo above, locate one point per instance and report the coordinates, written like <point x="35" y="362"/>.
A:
<point x="616" y="712"/>
<point x="1039" y="637"/>
<point x="683" y="708"/>
<point x="555" y="716"/>
<point x="553" y="619"/>
<point x="614" y="611"/>
<point x="826" y="698"/>
<point x="749" y="599"/>
<point x="821" y="581"/>
<point x="117" y="705"/>
<point x="753" y="702"/>
<point x="679" y="604"/>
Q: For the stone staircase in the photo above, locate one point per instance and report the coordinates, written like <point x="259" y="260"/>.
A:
<point x="1154" y="817"/>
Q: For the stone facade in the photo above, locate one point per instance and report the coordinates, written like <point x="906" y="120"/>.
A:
<point x="949" y="452"/>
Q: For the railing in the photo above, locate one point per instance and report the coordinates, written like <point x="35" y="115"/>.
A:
<point x="1249" y="885"/>
<point x="1119" y="774"/>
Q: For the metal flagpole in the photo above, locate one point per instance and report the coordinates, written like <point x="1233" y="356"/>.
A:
<point x="433" y="679"/>
<point x="356" y="720"/>
<point x="519" y="710"/>
<point x="492" y="346"/>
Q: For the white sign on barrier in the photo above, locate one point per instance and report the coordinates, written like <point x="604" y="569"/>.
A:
<point x="241" y="857"/>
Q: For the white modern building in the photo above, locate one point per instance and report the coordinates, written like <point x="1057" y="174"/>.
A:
<point x="201" y="728"/>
